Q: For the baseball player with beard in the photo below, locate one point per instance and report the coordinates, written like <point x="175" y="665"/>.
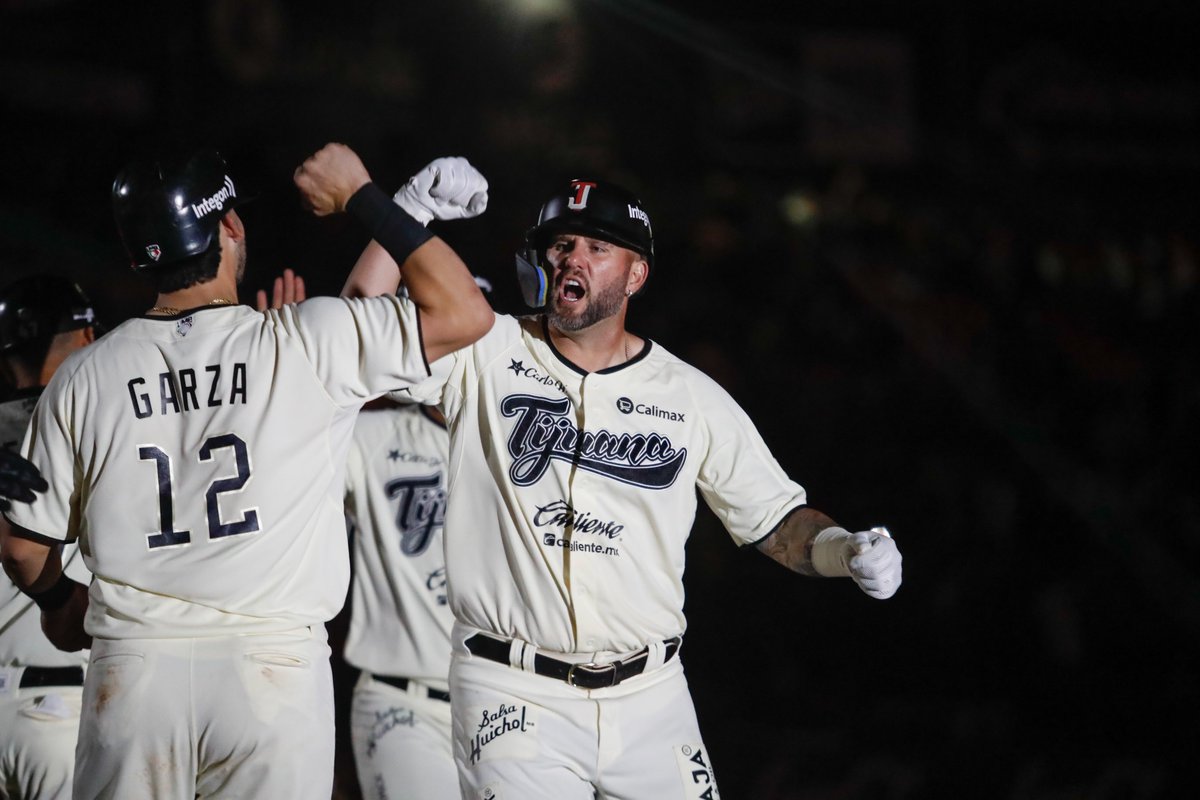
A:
<point x="43" y="319"/>
<point x="576" y="450"/>
<point x="208" y="444"/>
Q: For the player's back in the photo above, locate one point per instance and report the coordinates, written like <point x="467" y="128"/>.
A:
<point x="208" y="453"/>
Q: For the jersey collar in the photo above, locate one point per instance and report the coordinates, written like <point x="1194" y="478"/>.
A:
<point x="640" y="355"/>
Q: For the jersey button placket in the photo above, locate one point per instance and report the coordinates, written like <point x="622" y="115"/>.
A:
<point x="582" y="491"/>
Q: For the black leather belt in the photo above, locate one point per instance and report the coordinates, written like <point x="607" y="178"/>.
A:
<point x="51" y="676"/>
<point x="584" y="676"/>
<point x="402" y="685"/>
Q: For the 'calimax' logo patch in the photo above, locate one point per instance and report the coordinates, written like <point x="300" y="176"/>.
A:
<point x="627" y="406"/>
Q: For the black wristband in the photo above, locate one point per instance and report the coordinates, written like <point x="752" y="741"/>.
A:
<point x="56" y="596"/>
<point x="388" y="223"/>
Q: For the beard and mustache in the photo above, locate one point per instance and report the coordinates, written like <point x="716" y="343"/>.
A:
<point x="600" y="306"/>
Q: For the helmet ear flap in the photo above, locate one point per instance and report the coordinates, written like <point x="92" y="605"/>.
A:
<point x="533" y="278"/>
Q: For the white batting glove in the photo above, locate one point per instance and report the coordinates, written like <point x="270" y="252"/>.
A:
<point x="446" y="188"/>
<point x="870" y="558"/>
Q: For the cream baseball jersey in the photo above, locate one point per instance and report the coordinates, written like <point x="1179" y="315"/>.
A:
<point x="22" y="642"/>
<point x="396" y="496"/>
<point x="198" y="460"/>
<point x="572" y="494"/>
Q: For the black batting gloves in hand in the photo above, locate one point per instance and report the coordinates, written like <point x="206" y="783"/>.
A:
<point x="18" y="479"/>
<point x="447" y="188"/>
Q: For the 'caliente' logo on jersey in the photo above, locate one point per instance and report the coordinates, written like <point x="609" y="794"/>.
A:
<point x="544" y="433"/>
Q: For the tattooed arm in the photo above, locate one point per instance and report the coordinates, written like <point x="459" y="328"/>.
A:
<point x="811" y="543"/>
<point x="791" y="543"/>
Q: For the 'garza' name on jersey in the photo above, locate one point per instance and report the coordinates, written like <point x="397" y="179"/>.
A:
<point x="188" y="390"/>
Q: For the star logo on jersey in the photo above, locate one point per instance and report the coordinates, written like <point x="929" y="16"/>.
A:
<point x="393" y="455"/>
<point x="519" y="368"/>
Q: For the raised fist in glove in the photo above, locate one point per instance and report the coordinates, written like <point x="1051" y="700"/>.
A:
<point x="869" y="557"/>
<point x="18" y="479"/>
<point x="447" y="188"/>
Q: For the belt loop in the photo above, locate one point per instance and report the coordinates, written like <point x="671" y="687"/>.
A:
<point x="516" y="649"/>
<point x="656" y="656"/>
<point x="529" y="658"/>
<point x="674" y="645"/>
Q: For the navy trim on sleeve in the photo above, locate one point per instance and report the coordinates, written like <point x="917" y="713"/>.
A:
<point x="778" y="525"/>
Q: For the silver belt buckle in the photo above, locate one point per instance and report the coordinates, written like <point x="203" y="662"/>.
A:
<point x="592" y="668"/>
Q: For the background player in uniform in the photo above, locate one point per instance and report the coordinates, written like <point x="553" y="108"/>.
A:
<point x="43" y="319"/>
<point x="577" y="448"/>
<point x="209" y="442"/>
<point x="399" y="619"/>
<point x="399" y="631"/>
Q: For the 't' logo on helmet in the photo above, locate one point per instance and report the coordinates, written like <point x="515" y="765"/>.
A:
<point x="154" y="251"/>
<point x="579" y="201"/>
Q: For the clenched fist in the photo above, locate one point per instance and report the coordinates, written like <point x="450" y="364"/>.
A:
<point x="869" y="557"/>
<point x="329" y="178"/>
<point x="446" y="188"/>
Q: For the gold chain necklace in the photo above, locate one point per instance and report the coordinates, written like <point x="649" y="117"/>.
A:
<point x="171" y="311"/>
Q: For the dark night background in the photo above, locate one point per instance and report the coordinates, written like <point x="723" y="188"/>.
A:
<point x="944" y="253"/>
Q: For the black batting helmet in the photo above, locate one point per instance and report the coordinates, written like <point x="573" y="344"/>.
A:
<point x="34" y="309"/>
<point x="170" y="209"/>
<point x="589" y="208"/>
